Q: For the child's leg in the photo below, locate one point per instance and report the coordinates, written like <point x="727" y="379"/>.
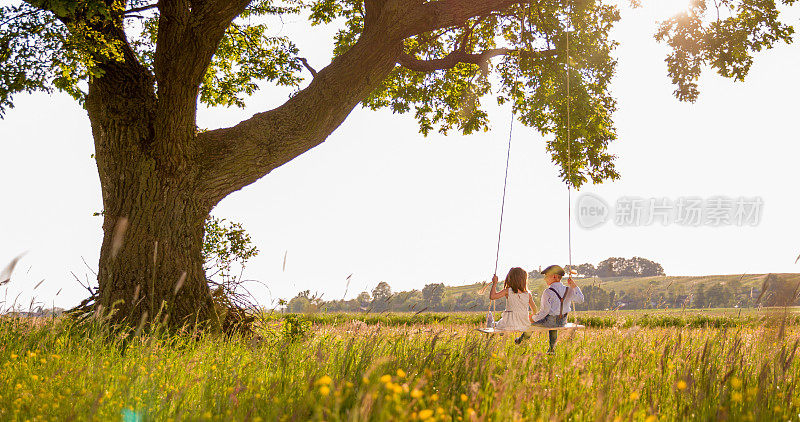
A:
<point x="553" y="334"/>
<point x="542" y="323"/>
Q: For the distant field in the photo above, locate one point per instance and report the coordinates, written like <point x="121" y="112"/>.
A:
<point x="684" y="284"/>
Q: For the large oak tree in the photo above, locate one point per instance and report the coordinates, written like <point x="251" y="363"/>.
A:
<point x="139" y="68"/>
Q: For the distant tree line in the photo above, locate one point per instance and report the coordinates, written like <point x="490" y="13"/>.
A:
<point x="621" y="267"/>
<point x="431" y="298"/>
<point x="775" y="291"/>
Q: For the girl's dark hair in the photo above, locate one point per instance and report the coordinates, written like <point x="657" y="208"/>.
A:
<point x="517" y="280"/>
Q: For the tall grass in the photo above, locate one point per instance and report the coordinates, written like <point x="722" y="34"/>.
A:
<point x="59" y="370"/>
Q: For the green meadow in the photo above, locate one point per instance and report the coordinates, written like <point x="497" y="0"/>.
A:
<point x="346" y="368"/>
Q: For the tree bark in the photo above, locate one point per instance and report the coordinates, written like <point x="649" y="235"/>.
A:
<point x="160" y="249"/>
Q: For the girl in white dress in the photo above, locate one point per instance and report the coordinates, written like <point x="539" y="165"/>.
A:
<point x="519" y="302"/>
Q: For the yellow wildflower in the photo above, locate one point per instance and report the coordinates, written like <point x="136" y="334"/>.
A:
<point x="401" y="373"/>
<point x="736" y="383"/>
<point x="425" y="414"/>
<point x="434" y="397"/>
<point x="470" y="411"/>
<point x="324" y="380"/>
<point x="651" y="418"/>
<point x="463" y="397"/>
<point x="634" y="396"/>
<point x="681" y="385"/>
<point x="386" y="378"/>
<point x="415" y="393"/>
<point x="737" y="397"/>
<point x="324" y="390"/>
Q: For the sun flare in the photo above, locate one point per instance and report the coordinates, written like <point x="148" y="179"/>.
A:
<point x="663" y="9"/>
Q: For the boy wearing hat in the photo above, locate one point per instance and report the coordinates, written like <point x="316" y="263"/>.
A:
<point x="557" y="300"/>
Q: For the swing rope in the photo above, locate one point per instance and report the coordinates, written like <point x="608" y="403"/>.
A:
<point x="569" y="175"/>
<point x="503" y="202"/>
<point x="505" y="184"/>
<point x="569" y="171"/>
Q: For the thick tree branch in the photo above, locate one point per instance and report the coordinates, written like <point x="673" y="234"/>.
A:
<point x="434" y="15"/>
<point x="128" y="71"/>
<point x="373" y="9"/>
<point x="235" y="157"/>
<point x="188" y="37"/>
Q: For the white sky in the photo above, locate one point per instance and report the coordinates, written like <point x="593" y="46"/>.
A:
<point x="381" y="202"/>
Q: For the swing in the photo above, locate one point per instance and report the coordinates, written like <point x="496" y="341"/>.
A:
<point x="531" y="329"/>
<point x="488" y="328"/>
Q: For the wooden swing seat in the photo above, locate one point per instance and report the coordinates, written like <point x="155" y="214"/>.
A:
<point x="532" y="329"/>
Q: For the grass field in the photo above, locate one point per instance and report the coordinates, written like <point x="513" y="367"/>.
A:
<point x="351" y="370"/>
<point x="650" y="318"/>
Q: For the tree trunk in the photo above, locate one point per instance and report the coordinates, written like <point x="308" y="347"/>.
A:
<point x="153" y="252"/>
<point x="153" y="218"/>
